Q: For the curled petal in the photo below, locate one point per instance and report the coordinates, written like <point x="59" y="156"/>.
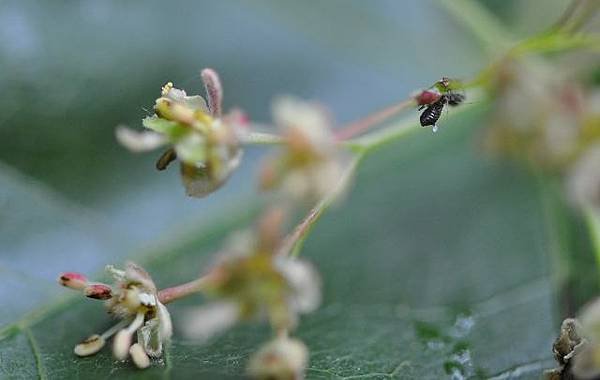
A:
<point x="139" y="141"/>
<point x="214" y="90"/>
<point x="199" y="182"/>
<point x="73" y="280"/>
<point x="166" y="326"/>
<point x="207" y="321"/>
<point x="90" y="346"/>
<point x="136" y="274"/>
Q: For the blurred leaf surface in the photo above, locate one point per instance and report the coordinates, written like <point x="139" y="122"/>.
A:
<point x="436" y="264"/>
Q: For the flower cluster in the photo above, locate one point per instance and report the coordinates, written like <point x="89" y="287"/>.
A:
<point x="133" y="299"/>
<point x="205" y="142"/>
<point x="253" y="277"/>
<point x="252" y="280"/>
<point x="547" y="116"/>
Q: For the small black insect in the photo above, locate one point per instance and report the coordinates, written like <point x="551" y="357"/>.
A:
<point x="433" y="112"/>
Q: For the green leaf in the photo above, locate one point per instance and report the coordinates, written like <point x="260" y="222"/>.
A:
<point x="437" y="262"/>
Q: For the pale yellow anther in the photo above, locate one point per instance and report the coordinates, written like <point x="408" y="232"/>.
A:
<point x="90" y="346"/>
<point x="166" y="88"/>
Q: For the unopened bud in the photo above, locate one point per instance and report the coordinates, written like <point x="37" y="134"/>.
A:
<point x="139" y="356"/>
<point x="282" y="358"/>
<point x="121" y="344"/>
<point x="98" y="291"/>
<point x="73" y="280"/>
<point x="90" y="346"/>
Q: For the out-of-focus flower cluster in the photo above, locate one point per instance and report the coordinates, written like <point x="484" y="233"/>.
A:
<point x="549" y="116"/>
<point x="252" y="280"/>
<point x="310" y="162"/>
<point x="134" y="301"/>
<point x="205" y="142"/>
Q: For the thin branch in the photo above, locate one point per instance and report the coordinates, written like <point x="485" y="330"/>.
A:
<point x="180" y="291"/>
<point x="293" y="242"/>
<point x="360" y="126"/>
<point x="592" y="219"/>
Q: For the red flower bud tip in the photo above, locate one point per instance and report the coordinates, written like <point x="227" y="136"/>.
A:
<point x="98" y="291"/>
<point x="73" y="280"/>
<point x="426" y="97"/>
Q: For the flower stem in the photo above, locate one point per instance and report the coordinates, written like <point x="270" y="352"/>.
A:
<point x="180" y="291"/>
<point x="293" y="242"/>
<point x="592" y="219"/>
<point x="360" y="126"/>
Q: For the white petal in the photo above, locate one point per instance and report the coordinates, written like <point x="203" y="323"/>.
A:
<point x="139" y="141"/>
<point x="206" y="321"/>
<point x="304" y="281"/>
<point x="166" y="326"/>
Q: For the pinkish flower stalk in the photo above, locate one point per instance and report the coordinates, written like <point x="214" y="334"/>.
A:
<point x="181" y="291"/>
<point x="363" y="125"/>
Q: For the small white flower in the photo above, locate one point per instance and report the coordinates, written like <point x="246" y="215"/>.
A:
<point x="205" y="142"/>
<point x="133" y="298"/>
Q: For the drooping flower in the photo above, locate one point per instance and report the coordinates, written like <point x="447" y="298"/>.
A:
<point x="134" y="300"/>
<point x="250" y="280"/>
<point x="198" y="135"/>
<point x="310" y="163"/>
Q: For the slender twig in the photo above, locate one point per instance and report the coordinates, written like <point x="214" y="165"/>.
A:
<point x="360" y="126"/>
<point x="180" y="291"/>
<point x="592" y="218"/>
<point x="293" y="242"/>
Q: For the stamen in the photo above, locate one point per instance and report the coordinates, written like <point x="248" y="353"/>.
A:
<point x="123" y="338"/>
<point x="139" y="356"/>
<point x="90" y="346"/>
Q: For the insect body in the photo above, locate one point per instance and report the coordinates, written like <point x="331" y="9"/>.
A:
<point x="433" y="112"/>
<point x="435" y="98"/>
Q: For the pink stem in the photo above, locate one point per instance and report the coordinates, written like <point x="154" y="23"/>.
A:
<point x="180" y="291"/>
<point x="362" y="125"/>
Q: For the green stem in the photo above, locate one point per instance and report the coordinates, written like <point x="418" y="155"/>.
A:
<point x="294" y="241"/>
<point x="492" y="35"/>
<point x="592" y="219"/>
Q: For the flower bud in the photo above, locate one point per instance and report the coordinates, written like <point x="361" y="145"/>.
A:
<point x="282" y="358"/>
<point x="139" y="356"/>
<point x="73" y="280"/>
<point x="98" y="291"/>
<point x="121" y="344"/>
<point x="90" y="346"/>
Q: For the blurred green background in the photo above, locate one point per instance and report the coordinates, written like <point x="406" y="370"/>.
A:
<point x="71" y="71"/>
